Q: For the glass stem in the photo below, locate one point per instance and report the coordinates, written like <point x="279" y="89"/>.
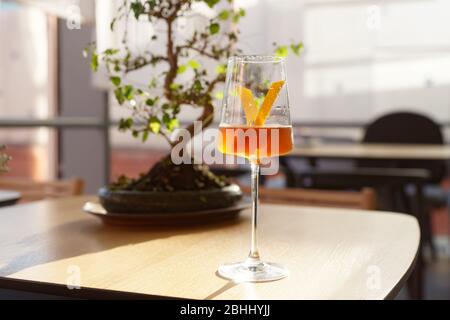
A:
<point x="253" y="257"/>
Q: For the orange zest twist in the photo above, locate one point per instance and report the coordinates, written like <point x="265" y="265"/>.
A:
<point x="250" y="106"/>
<point x="270" y="98"/>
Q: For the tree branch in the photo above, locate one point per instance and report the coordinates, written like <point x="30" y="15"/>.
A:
<point x="220" y="78"/>
<point x="172" y="59"/>
<point x="141" y="62"/>
<point x="201" y="51"/>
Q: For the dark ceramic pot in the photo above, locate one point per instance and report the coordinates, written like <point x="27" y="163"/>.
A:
<point x="120" y="201"/>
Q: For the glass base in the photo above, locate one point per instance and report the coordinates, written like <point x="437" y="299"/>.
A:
<point x="253" y="272"/>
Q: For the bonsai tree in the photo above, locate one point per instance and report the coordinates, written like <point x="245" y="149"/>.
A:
<point x="154" y="108"/>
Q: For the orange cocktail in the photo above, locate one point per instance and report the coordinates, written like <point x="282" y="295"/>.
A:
<point x="255" y="143"/>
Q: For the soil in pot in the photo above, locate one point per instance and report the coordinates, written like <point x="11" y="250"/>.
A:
<point x="170" y="188"/>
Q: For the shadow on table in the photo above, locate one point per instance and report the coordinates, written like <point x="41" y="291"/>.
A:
<point x="89" y="236"/>
<point x="227" y="286"/>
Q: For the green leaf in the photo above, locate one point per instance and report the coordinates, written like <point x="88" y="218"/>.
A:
<point x="94" y="61"/>
<point x="154" y="124"/>
<point x="138" y="8"/>
<point x="197" y="86"/>
<point x="219" y="95"/>
<point x="85" y="52"/>
<point x="214" y="28"/>
<point x="153" y="83"/>
<point x="224" y="15"/>
<point x="119" y="96"/>
<point x="297" y="48"/>
<point x="111" y="26"/>
<point x="111" y="52"/>
<point x="194" y="64"/>
<point x="174" y="86"/>
<point x="181" y="69"/>
<point x="281" y="51"/>
<point x="125" y="123"/>
<point x="236" y="17"/>
<point x="259" y="101"/>
<point x="166" y="118"/>
<point x="173" y="123"/>
<point x="221" y="69"/>
<point x="128" y="92"/>
<point x="211" y="3"/>
<point x="169" y="122"/>
<point x="115" y="80"/>
<point x="232" y="36"/>
<point x="150" y="102"/>
<point x="145" y="136"/>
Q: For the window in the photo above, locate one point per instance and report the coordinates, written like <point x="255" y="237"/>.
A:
<point x="362" y="58"/>
<point x="26" y="89"/>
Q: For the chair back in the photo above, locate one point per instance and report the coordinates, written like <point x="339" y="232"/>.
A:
<point x="405" y="128"/>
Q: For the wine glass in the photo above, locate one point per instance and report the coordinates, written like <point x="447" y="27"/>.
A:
<point x="255" y="124"/>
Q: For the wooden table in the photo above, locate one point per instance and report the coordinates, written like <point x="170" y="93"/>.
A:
<point x="374" y="151"/>
<point x="331" y="253"/>
<point x="8" y="197"/>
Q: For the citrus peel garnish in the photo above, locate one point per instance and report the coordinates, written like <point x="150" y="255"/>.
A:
<point x="267" y="104"/>
<point x="250" y="106"/>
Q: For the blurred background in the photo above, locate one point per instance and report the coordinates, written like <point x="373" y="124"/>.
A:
<point x="362" y="59"/>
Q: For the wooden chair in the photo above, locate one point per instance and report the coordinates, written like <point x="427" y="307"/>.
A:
<point x="33" y="190"/>
<point x="364" y="199"/>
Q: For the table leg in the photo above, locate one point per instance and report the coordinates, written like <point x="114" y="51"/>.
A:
<point x="424" y="219"/>
<point x="416" y="280"/>
<point x="312" y="162"/>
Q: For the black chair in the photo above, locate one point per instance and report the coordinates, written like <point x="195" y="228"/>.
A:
<point x="405" y="128"/>
<point x="408" y="128"/>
